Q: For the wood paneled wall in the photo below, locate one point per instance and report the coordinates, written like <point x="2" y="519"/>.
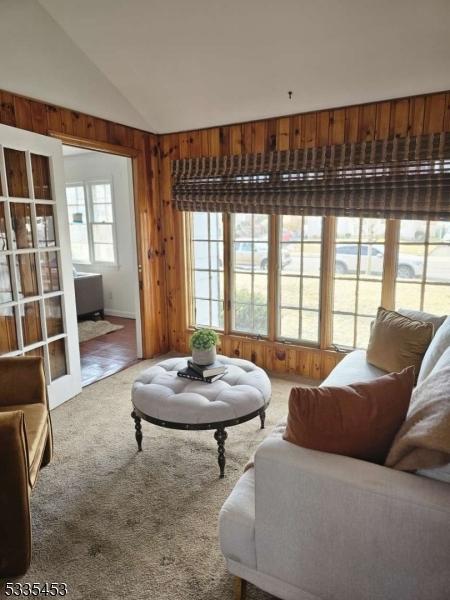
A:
<point x="160" y="229"/>
<point x="88" y="131"/>
<point x="379" y="120"/>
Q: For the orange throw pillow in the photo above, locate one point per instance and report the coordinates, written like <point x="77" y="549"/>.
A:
<point x="358" y="420"/>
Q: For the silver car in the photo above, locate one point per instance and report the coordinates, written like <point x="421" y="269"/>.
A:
<point x="409" y="266"/>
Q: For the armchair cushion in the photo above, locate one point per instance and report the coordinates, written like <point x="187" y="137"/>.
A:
<point x="25" y="446"/>
<point x="22" y="381"/>
<point x="15" y="528"/>
<point x="36" y="432"/>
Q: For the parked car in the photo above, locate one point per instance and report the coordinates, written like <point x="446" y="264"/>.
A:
<point x="438" y="264"/>
<point x="245" y="255"/>
<point x="372" y="258"/>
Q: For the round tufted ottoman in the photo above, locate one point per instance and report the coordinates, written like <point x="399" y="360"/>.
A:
<point x="161" y="397"/>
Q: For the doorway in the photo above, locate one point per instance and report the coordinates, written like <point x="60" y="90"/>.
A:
<point x="100" y="209"/>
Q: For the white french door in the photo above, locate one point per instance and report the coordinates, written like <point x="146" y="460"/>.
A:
<point x="37" y="299"/>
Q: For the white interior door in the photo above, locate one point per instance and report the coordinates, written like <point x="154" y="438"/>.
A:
<point x="37" y="299"/>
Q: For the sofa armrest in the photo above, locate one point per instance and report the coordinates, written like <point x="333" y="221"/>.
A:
<point x="15" y="527"/>
<point x="318" y="513"/>
<point x="22" y="381"/>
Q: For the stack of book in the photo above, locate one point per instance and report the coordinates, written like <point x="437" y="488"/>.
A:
<point x="207" y="373"/>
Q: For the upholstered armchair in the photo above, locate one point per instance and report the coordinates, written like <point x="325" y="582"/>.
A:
<point x="25" y="446"/>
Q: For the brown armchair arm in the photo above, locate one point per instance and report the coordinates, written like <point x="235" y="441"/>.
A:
<point x="15" y="527"/>
<point x="22" y="380"/>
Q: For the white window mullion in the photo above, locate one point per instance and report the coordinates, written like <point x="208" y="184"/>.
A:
<point x="300" y="302"/>
<point x="14" y="276"/>
<point x="358" y="274"/>
<point x="209" y="270"/>
<point x="425" y="265"/>
<point x="89" y="221"/>
<point x="3" y="177"/>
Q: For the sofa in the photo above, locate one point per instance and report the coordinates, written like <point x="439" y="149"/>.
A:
<point x="89" y="294"/>
<point x="26" y="446"/>
<point x="309" y="525"/>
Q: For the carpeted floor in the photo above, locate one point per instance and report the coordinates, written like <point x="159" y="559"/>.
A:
<point x="115" y="524"/>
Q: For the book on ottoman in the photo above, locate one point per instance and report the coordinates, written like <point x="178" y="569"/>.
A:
<point x="207" y="370"/>
<point x="189" y="373"/>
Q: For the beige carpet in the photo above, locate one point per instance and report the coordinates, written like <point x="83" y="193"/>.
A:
<point x="115" y="524"/>
<point x="88" y="330"/>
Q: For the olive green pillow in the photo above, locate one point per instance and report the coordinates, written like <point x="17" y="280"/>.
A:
<point x="397" y="342"/>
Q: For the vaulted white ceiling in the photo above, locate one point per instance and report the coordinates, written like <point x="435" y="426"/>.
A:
<point x="169" y="65"/>
<point x="38" y="59"/>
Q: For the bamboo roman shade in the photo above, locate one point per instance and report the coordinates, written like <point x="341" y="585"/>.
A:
<point x="396" y="178"/>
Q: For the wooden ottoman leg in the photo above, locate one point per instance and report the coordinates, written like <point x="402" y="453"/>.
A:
<point x="138" y="428"/>
<point x="220" y="435"/>
<point x="240" y="588"/>
<point x="262" y="416"/>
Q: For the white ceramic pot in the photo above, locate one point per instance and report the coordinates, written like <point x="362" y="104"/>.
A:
<point x="204" y="357"/>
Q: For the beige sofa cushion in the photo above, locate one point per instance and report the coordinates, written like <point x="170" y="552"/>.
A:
<point x="397" y="342"/>
<point x="439" y="473"/>
<point x="423" y="441"/>
<point x="438" y="346"/>
<point x="419" y="315"/>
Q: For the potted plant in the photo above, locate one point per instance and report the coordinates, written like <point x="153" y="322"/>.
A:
<point x="203" y="345"/>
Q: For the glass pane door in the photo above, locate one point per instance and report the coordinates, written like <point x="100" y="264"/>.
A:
<point x="37" y="304"/>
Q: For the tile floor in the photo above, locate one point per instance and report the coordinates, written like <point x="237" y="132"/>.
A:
<point x="105" y="355"/>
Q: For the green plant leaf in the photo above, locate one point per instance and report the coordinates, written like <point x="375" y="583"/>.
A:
<point x="203" y="339"/>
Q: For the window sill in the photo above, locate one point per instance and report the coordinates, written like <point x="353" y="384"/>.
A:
<point x="284" y="343"/>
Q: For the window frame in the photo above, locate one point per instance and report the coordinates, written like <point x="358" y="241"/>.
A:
<point x="79" y="184"/>
<point x="231" y="329"/>
<point x="360" y="244"/>
<point x="189" y="227"/>
<point x="278" y="305"/>
<point x="87" y="185"/>
<point x="328" y="246"/>
<point x="423" y="281"/>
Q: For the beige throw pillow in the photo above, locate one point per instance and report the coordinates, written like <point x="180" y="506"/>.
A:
<point x="423" y="441"/>
<point x="420" y="315"/>
<point x="397" y="342"/>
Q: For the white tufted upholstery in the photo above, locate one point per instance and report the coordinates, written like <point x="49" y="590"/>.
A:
<point x="160" y="394"/>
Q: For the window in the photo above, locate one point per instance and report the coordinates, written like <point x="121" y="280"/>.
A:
<point x="102" y="222"/>
<point x="207" y="280"/>
<point x="91" y="221"/>
<point x="250" y="263"/>
<point x="423" y="266"/>
<point x="78" y="223"/>
<point x="359" y="256"/>
<point x="286" y="305"/>
<point x="299" y="283"/>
